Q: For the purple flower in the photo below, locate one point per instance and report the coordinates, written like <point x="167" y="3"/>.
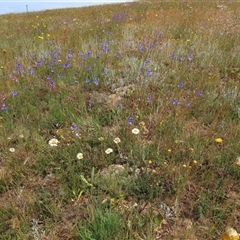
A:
<point x="159" y="34"/>
<point x="105" y="47"/>
<point x="38" y="63"/>
<point x="52" y="83"/>
<point x="119" y="16"/>
<point x="173" y="56"/>
<point x="147" y="61"/>
<point x="87" y="80"/>
<point x="69" y="56"/>
<point x="14" y="93"/>
<point x="149" y="98"/>
<point x="88" y="68"/>
<point x="66" y="65"/>
<point x="95" y="81"/>
<point x="149" y="72"/>
<point x="130" y="120"/>
<point x="200" y="93"/>
<point x="74" y="127"/>
<point x="19" y="68"/>
<point x="187" y="104"/>
<point x="175" y="101"/>
<point x="4" y="107"/>
<point x="31" y="70"/>
<point x="190" y="58"/>
<point x="140" y="48"/>
<point x="182" y="58"/>
<point x="181" y="85"/>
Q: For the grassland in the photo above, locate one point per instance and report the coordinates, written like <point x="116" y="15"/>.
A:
<point x="120" y="122"/>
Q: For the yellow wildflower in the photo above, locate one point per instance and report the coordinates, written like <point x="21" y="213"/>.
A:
<point x="218" y="140"/>
<point x="230" y="234"/>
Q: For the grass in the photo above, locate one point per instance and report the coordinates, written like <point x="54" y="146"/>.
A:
<point x="84" y="79"/>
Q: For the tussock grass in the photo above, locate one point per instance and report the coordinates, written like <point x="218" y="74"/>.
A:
<point x="83" y="79"/>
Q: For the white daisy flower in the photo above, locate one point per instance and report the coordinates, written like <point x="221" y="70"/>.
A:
<point x="117" y="140"/>
<point x="238" y="161"/>
<point x="135" y="131"/>
<point x="79" y="156"/>
<point x="53" y="142"/>
<point x="108" y="151"/>
<point x="12" y="150"/>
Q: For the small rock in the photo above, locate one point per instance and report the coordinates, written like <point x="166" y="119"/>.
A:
<point x="103" y="100"/>
<point x="113" y="169"/>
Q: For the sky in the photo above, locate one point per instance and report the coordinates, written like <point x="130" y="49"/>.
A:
<point x="20" y="6"/>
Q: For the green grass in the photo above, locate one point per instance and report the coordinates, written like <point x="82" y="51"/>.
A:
<point x="87" y="76"/>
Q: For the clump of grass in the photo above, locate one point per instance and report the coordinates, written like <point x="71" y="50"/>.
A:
<point x="104" y="224"/>
<point x="148" y="90"/>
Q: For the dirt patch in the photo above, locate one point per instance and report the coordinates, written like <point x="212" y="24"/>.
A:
<point x="193" y="126"/>
<point x="109" y="101"/>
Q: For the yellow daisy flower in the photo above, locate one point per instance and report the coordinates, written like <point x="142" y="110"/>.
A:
<point x="230" y="234"/>
<point x="218" y="140"/>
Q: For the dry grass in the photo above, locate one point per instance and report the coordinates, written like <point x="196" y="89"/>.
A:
<point x="87" y="76"/>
